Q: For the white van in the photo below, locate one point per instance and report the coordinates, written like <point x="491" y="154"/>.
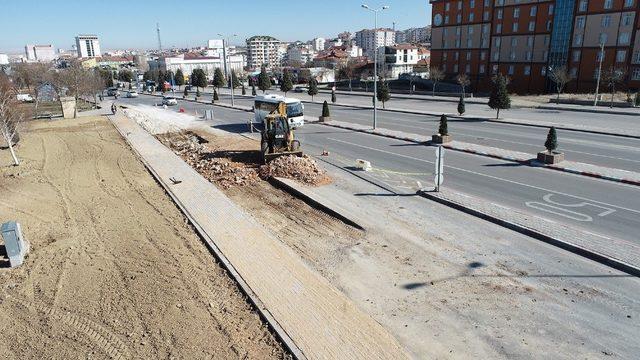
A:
<point x="264" y="104"/>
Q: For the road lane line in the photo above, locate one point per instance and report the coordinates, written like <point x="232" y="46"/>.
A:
<point x="489" y="176"/>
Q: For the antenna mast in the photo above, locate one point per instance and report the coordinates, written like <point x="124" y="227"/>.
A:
<point x="159" y="41"/>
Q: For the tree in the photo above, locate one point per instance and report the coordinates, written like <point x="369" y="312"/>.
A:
<point x="463" y="80"/>
<point x="499" y="97"/>
<point x="636" y="100"/>
<point x="218" y="79"/>
<point x="199" y="79"/>
<point x="10" y="117"/>
<point x="461" y="107"/>
<point x="215" y="95"/>
<point x="186" y="93"/>
<point x="34" y="74"/>
<point x="383" y="92"/>
<point x="552" y="140"/>
<point x="333" y="96"/>
<point x="77" y="80"/>
<point x="325" y="109"/>
<point x="443" y="129"/>
<point x="286" y="85"/>
<point x="436" y="75"/>
<point x="125" y="75"/>
<point x="235" y="81"/>
<point x="253" y="90"/>
<point x="313" y="88"/>
<point x="264" y="83"/>
<point x="179" y="78"/>
<point x="561" y="77"/>
<point x="611" y="78"/>
<point x="347" y="71"/>
<point x="244" y="91"/>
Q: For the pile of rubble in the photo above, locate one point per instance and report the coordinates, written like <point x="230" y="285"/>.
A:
<point x="303" y="169"/>
<point x="219" y="170"/>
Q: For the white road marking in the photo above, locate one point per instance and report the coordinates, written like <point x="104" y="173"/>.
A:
<point x="488" y="176"/>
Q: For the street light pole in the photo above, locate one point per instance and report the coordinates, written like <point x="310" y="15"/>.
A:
<point x="375" y="61"/>
<point x="595" y="101"/>
<point x="227" y="70"/>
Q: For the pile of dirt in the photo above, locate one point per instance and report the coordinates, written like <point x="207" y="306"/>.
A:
<point x="210" y="163"/>
<point x="300" y="168"/>
<point x="216" y="161"/>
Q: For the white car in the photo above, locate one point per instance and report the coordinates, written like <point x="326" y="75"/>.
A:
<point x="169" y="100"/>
<point x="132" y="94"/>
<point x="25" y="97"/>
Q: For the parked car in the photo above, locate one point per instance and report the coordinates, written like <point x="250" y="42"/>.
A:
<point x="132" y="94"/>
<point x="299" y="89"/>
<point x="112" y="91"/>
<point x="169" y="100"/>
<point x="25" y="97"/>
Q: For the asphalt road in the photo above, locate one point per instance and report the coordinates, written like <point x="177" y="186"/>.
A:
<point x="603" y="150"/>
<point x="608" y="209"/>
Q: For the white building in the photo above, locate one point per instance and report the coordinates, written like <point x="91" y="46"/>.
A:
<point x="215" y="47"/>
<point x="40" y="52"/>
<point x="399" y="59"/>
<point x="300" y="54"/>
<point x="333" y="43"/>
<point x="355" y="51"/>
<point x="88" y="46"/>
<point x="318" y="44"/>
<point x="264" y="50"/>
<point x="370" y="39"/>
<point x="414" y="35"/>
<point x="4" y="59"/>
<point x="187" y="63"/>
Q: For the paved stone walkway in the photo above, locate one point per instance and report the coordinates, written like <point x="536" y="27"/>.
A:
<point x="319" y="319"/>
<point x="573" y="167"/>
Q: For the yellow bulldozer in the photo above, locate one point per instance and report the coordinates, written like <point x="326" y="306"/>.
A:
<point x="278" y="137"/>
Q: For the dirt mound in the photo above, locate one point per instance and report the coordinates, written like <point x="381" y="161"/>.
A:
<point x="211" y="164"/>
<point x="301" y="168"/>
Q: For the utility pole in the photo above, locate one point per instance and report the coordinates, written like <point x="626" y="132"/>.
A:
<point x="159" y="41"/>
<point x="227" y="70"/>
<point x="375" y="61"/>
<point x="595" y="101"/>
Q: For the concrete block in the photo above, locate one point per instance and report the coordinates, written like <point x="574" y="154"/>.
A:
<point x="68" y="106"/>
<point x="14" y="243"/>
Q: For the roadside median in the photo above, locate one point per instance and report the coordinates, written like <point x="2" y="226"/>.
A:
<point x="600" y="172"/>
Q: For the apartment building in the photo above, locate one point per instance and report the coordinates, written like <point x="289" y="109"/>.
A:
<point x="88" y="46"/>
<point x="43" y="53"/>
<point x="263" y="50"/>
<point x="399" y="59"/>
<point x="371" y="39"/>
<point x="524" y="39"/>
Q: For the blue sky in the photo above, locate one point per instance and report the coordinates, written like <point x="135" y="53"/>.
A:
<point x="131" y="24"/>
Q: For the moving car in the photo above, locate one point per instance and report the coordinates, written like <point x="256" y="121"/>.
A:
<point x="132" y="94"/>
<point x="299" y="89"/>
<point x="169" y="100"/>
<point x="112" y="91"/>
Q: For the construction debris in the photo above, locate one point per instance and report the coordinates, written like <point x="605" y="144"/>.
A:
<point x="301" y="168"/>
<point x="219" y="167"/>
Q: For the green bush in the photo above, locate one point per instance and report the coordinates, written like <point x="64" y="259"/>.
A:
<point x="325" y="109"/>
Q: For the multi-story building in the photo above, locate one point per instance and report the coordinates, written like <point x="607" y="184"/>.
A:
<point x="398" y="59"/>
<point x="300" y="54"/>
<point x="40" y="52"/>
<point x="4" y="59"/>
<point x="263" y="50"/>
<point x="414" y="35"/>
<point x="189" y="62"/>
<point x="318" y="44"/>
<point x="371" y="39"/>
<point x="525" y="39"/>
<point x="88" y="46"/>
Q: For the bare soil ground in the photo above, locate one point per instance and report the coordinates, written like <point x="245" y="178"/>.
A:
<point x="114" y="270"/>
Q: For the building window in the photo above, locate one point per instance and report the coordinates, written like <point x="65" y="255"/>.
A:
<point x="635" y="74"/>
<point x="532" y="26"/>
<point x="499" y="14"/>
<point x="608" y="4"/>
<point x="516" y="12"/>
<point x="481" y="69"/>
<point x="483" y="55"/>
<point x="514" y="41"/>
<point x="627" y="19"/>
<point x="583" y="6"/>
<point x="636" y="57"/>
<point x="533" y="11"/>
<point x="510" y="70"/>
<point x="467" y="69"/>
<point x="527" y="70"/>
<point x="455" y="68"/>
<point x="514" y="27"/>
<point x="543" y="72"/>
<point x="529" y="55"/>
<point x="447" y="6"/>
<point x="551" y="7"/>
<point x="458" y="18"/>
<point x="468" y="55"/>
<point x="496" y="56"/>
<point x="530" y="41"/>
<point x="621" y="55"/>
<point x="472" y="4"/>
<point x="628" y="3"/>
<point x="575" y="55"/>
<point x="499" y="29"/>
<point x="471" y="17"/>
<point x="577" y="40"/>
<point x="512" y="56"/>
<point x="623" y="39"/>
<point x="606" y="21"/>
<point x="485" y="16"/>
<point x="573" y="72"/>
<point x="580" y="22"/>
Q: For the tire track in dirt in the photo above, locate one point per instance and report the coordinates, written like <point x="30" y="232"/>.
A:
<point x="104" y="339"/>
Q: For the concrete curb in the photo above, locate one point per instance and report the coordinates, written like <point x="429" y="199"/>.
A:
<point x="587" y="110"/>
<point x="450" y="115"/>
<point x="530" y="162"/>
<point x="258" y="305"/>
<point x="314" y="202"/>
<point x="578" y="250"/>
